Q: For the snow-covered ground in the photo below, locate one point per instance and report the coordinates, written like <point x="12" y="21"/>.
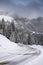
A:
<point x="14" y="54"/>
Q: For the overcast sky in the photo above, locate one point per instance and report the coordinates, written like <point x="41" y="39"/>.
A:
<point x="24" y="8"/>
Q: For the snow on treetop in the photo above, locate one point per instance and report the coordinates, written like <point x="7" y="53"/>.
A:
<point x="6" y="18"/>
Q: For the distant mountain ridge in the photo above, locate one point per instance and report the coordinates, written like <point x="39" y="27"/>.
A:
<point x="31" y="25"/>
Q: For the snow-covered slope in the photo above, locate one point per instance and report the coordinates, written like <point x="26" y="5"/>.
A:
<point x="20" y="55"/>
<point x="6" y="44"/>
<point x="9" y="50"/>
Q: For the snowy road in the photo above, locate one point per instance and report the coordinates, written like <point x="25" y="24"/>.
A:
<point x="38" y="60"/>
<point x="13" y="59"/>
<point x="23" y="60"/>
<point x="34" y="59"/>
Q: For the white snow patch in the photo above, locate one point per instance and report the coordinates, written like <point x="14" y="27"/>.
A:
<point x="6" y="18"/>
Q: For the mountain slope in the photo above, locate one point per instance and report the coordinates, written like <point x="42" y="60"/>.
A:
<point x="31" y="25"/>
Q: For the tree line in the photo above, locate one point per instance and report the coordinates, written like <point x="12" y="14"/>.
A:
<point x="12" y="33"/>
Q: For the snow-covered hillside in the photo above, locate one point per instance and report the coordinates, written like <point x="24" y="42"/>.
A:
<point x="9" y="50"/>
<point x="28" y="55"/>
<point x="20" y="54"/>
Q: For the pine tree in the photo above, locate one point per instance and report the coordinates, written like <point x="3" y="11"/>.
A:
<point x="12" y="26"/>
<point x="3" y="26"/>
<point x="29" y="39"/>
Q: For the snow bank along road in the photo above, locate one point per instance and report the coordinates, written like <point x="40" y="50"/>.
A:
<point x="13" y="54"/>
